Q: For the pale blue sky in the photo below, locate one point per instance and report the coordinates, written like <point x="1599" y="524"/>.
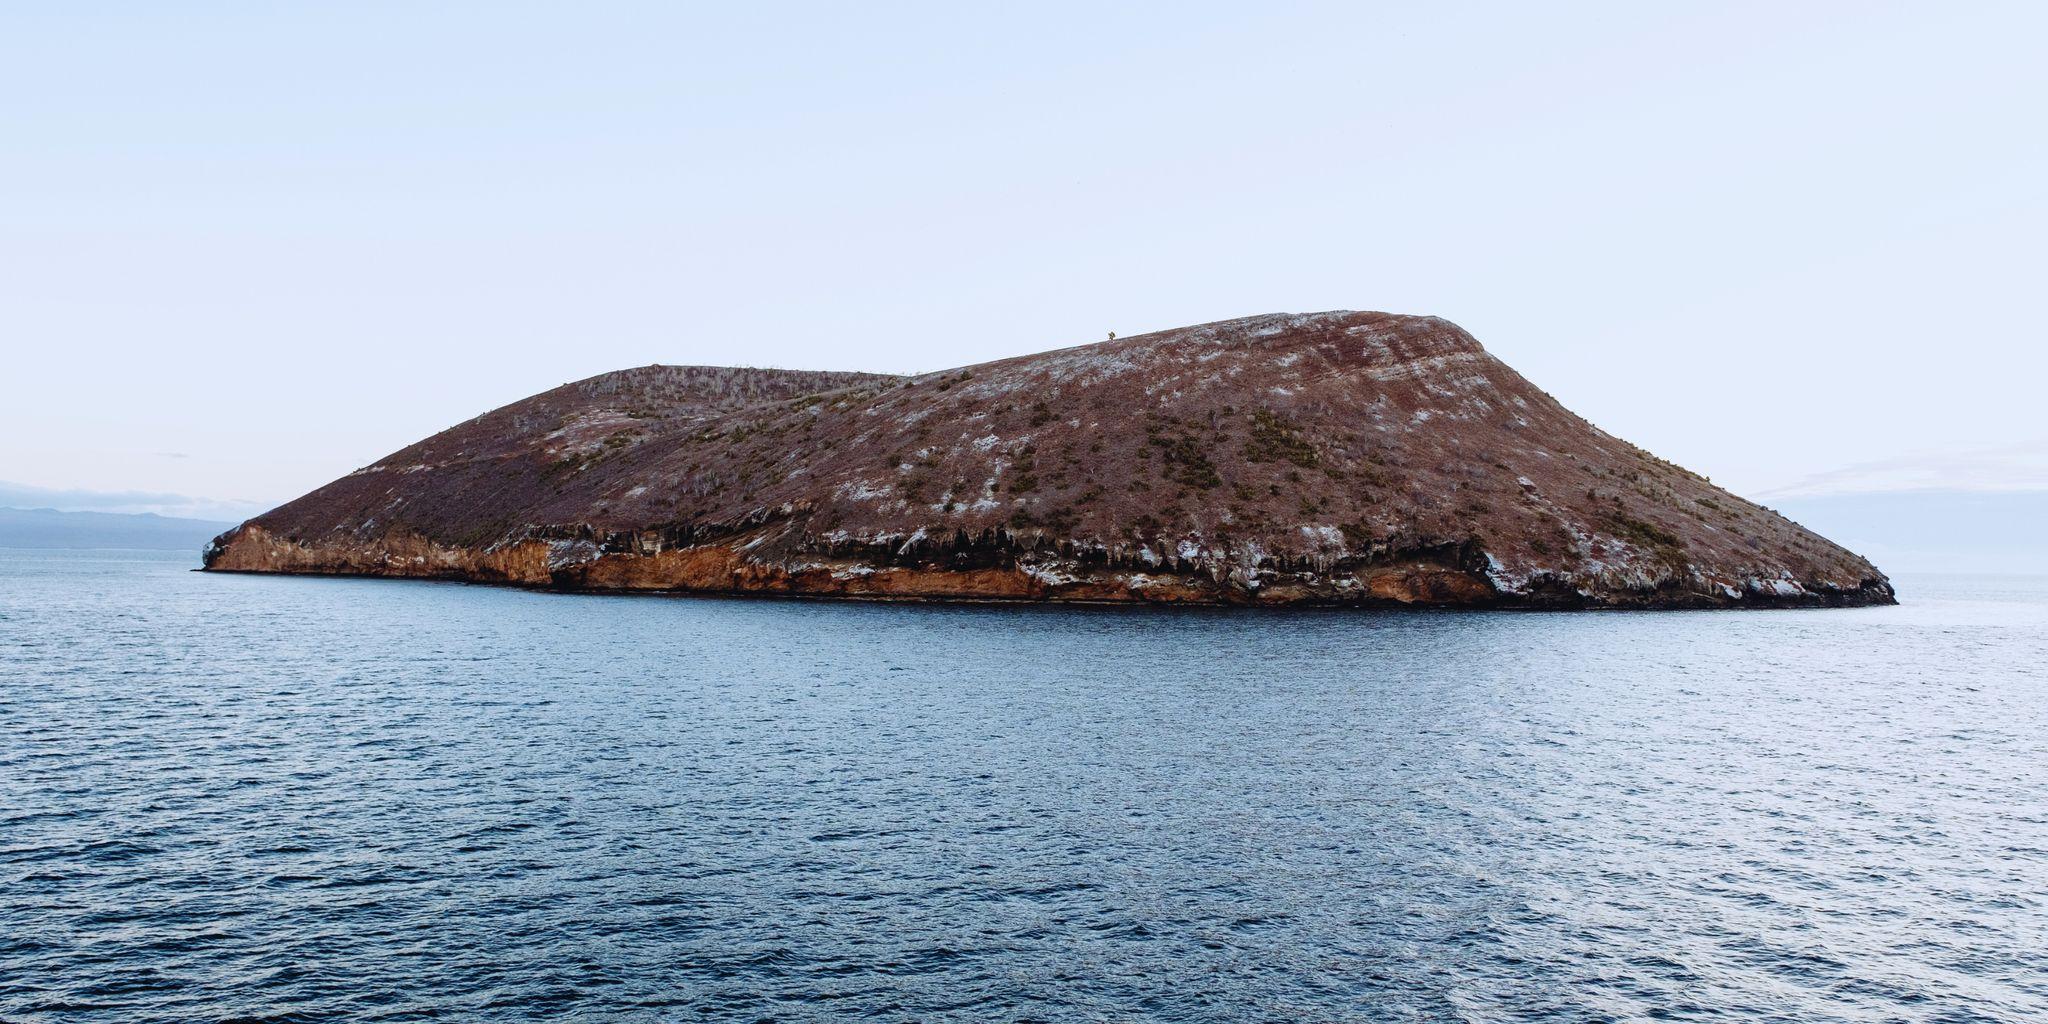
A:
<point x="247" y="248"/>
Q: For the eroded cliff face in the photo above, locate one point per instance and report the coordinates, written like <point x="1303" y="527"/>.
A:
<point x="1334" y="458"/>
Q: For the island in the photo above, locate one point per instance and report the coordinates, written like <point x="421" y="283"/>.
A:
<point x="1343" y="458"/>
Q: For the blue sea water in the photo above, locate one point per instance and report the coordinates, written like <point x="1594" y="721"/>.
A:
<point x="250" y="798"/>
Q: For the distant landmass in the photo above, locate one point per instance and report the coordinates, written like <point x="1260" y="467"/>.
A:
<point x="1329" y="458"/>
<point x="50" y="528"/>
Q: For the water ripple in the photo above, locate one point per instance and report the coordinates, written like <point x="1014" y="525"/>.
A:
<point x="248" y="799"/>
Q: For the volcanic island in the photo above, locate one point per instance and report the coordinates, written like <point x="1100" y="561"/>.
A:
<point x="1342" y="458"/>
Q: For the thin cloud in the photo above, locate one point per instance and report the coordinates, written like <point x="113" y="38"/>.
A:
<point x="2016" y="467"/>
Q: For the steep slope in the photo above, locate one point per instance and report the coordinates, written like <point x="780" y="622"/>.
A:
<point x="1345" y="458"/>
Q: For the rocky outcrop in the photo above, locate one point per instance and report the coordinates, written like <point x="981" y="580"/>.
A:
<point x="1332" y="458"/>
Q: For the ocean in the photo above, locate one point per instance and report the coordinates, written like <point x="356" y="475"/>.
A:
<point x="297" y="799"/>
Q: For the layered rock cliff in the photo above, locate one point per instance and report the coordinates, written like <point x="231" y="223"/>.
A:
<point x="1330" y="458"/>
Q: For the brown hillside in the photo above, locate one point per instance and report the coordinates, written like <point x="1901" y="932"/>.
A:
<point x="1349" y="458"/>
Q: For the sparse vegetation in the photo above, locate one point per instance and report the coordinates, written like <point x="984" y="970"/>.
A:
<point x="1182" y="458"/>
<point x="1058" y="520"/>
<point x="1275" y="439"/>
<point x="1024" y="477"/>
<point x="1638" y="532"/>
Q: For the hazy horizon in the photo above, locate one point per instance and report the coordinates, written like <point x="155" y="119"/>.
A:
<point x="250" y="251"/>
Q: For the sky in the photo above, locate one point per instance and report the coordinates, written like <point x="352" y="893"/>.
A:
<point x="245" y="249"/>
